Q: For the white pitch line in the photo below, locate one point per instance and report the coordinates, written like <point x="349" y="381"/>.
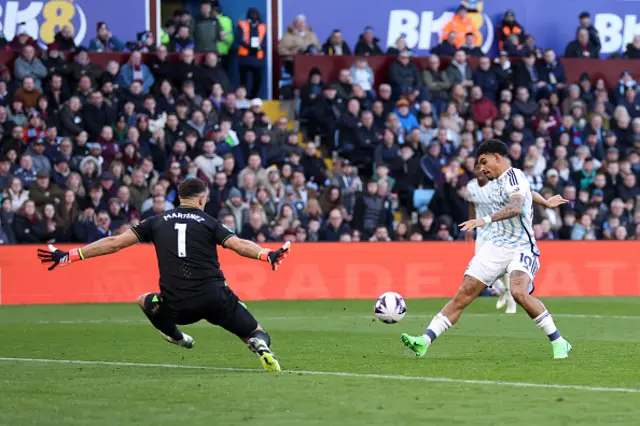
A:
<point x="332" y="373"/>
<point x="315" y="318"/>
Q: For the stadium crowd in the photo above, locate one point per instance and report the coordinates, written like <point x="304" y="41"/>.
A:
<point x="87" y="152"/>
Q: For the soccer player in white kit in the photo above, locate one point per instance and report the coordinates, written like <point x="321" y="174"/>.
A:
<point x="480" y="205"/>
<point x="511" y="249"/>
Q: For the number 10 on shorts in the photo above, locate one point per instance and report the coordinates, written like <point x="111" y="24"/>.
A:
<point x="531" y="263"/>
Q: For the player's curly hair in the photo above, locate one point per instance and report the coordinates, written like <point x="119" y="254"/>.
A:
<point x="492" y="146"/>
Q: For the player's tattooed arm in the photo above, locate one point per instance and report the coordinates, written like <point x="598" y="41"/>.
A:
<point x="512" y="209"/>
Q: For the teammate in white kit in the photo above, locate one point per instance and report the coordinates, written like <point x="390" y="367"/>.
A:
<point x="480" y="205"/>
<point x="511" y="249"/>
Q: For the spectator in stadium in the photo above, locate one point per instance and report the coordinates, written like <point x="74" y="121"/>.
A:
<point x="459" y="71"/>
<point x="633" y="49"/>
<point x="367" y="44"/>
<point x="299" y="38"/>
<point x="507" y="27"/>
<point x="43" y="191"/>
<point x="82" y="66"/>
<point x="447" y="47"/>
<point x="101" y="229"/>
<point x="206" y="29"/>
<point x="553" y="74"/>
<point x="54" y="231"/>
<point x="335" y="45"/>
<point x="28" y="65"/>
<point x="22" y="39"/>
<point x="28" y="94"/>
<point x="482" y="109"/>
<point x="27" y="225"/>
<point x="404" y="77"/>
<point x="631" y="102"/>
<point x="236" y="207"/>
<point x="210" y="73"/>
<point x="524" y="104"/>
<point x="105" y="41"/>
<point x="362" y="75"/>
<point x="333" y="228"/>
<point x="461" y="24"/>
<point x="594" y="36"/>
<point x="526" y="74"/>
<point x="437" y="82"/>
<point x="486" y="77"/>
<point x="26" y="172"/>
<point x="470" y="48"/>
<point x="135" y="70"/>
<point x="582" y="46"/>
<point x="64" y="39"/>
<point x="251" y="38"/>
<point x="182" y="40"/>
<point x="531" y="47"/>
<point x="15" y="193"/>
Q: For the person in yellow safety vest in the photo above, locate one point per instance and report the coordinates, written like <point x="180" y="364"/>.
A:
<point x="251" y="42"/>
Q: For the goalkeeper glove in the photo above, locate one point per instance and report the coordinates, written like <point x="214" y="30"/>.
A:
<point x="275" y="257"/>
<point x="59" y="257"/>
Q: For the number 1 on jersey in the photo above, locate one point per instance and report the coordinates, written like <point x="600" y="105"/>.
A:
<point x="182" y="239"/>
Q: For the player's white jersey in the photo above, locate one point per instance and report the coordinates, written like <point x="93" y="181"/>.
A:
<point x="516" y="232"/>
<point x="480" y="197"/>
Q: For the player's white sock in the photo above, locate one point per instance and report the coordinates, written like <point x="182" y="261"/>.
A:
<point x="438" y="325"/>
<point x="545" y="322"/>
<point x="499" y="285"/>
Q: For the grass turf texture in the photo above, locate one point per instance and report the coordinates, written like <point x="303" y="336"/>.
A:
<point x="326" y="336"/>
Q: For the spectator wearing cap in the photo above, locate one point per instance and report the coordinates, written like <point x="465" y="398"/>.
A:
<point x="61" y="170"/>
<point x="483" y="110"/>
<point x="582" y="46"/>
<point x="407" y="118"/>
<point x="236" y="207"/>
<point x="105" y="41"/>
<point x="461" y="24"/>
<point x="206" y="29"/>
<point x="335" y="45"/>
<point x="633" y="48"/>
<point x="82" y="66"/>
<point x="447" y="47"/>
<point x="507" y="27"/>
<point x="367" y="44"/>
<point x="40" y="161"/>
<point x="404" y="77"/>
<point x="299" y="38"/>
<point x="135" y="70"/>
<point x="28" y="65"/>
<point x="64" y="39"/>
<point x="43" y="191"/>
<point x="594" y="36"/>
<point x="182" y="40"/>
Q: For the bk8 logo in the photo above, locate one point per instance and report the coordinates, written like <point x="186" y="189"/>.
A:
<point x="42" y="20"/>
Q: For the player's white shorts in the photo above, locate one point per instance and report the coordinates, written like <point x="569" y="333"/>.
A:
<point x="491" y="262"/>
<point x="480" y="240"/>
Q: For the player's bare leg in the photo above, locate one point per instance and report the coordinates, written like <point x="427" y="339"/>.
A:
<point x="150" y="305"/>
<point x="538" y="312"/>
<point x="258" y="342"/>
<point x="467" y="293"/>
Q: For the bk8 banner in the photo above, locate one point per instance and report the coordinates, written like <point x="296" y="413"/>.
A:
<point x="43" y="19"/>
<point x="552" y="22"/>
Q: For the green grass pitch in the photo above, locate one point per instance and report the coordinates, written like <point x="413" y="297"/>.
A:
<point x="342" y="367"/>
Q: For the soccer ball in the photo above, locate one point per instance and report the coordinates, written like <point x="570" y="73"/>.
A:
<point x="390" y="307"/>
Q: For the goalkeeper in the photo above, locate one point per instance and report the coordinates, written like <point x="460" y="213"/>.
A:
<point x="192" y="286"/>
